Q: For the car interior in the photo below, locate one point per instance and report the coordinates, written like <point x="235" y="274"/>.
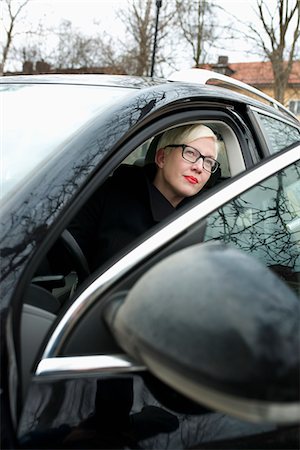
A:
<point x="64" y="270"/>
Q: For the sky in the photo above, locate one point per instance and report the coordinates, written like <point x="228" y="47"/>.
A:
<point x="84" y="13"/>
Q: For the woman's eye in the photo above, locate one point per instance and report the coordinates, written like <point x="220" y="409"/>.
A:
<point x="190" y="152"/>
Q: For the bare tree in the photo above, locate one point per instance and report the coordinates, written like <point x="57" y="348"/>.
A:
<point x="198" y="25"/>
<point x="139" y="24"/>
<point x="33" y="47"/>
<point x="279" y="40"/>
<point x="73" y="49"/>
<point x="27" y="53"/>
<point x="14" y="10"/>
<point x="76" y="50"/>
<point x="139" y="20"/>
<point x="108" y="54"/>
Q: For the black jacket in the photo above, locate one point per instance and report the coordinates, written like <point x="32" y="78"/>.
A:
<point x="126" y="206"/>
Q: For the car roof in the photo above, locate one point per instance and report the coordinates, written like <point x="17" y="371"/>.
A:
<point x="125" y="81"/>
<point x="231" y="89"/>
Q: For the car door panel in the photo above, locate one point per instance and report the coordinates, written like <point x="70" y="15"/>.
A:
<point x="120" y="411"/>
<point x="84" y="385"/>
<point x="184" y="230"/>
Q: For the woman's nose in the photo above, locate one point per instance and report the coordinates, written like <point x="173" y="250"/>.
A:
<point x="198" y="165"/>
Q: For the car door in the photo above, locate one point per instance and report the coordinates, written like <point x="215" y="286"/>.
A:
<point x="87" y="393"/>
<point x="53" y="195"/>
<point x="36" y="323"/>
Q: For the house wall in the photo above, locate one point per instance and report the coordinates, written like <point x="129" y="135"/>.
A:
<point x="291" y="93"/>
<point x="259" y="74"/>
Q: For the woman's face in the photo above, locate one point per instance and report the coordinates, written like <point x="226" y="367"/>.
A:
<point x="177" y="178"/>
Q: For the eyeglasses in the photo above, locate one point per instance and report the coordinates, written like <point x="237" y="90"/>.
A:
<point x="193" y="155"/>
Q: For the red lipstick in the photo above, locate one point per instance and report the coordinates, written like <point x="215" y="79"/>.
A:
<point x="191" y="180"/>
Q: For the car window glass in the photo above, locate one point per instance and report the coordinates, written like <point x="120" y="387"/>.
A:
<point x="294" y="106"/>
<point x="23" y="150"/>
<point x="265" y="221"/>
<point x="280" y="134"/>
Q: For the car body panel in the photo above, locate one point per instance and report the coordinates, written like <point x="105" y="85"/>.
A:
<point x="128" y="413"/>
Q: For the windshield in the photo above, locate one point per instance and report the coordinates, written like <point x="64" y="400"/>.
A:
<point x="35" y="119"/>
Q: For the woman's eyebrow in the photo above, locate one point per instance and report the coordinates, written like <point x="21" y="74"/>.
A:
<point x="200" y="151"/>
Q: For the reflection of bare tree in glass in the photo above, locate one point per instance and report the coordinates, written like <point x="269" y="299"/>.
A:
<point x="26" y="224"/>
<point x="265" y="222"/>
<point x="280" y="134"/>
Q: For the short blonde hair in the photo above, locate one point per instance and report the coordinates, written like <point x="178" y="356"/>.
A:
<point x="185" y="134"/>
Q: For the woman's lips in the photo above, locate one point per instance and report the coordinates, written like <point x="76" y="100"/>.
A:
<point x="191" y="180"/>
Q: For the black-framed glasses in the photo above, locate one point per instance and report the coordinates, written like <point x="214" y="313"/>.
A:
<point x="193" y="155"/>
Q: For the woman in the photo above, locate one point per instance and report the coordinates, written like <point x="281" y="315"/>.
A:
<point x="185" y="159"/>
<point x="136" y="198"/>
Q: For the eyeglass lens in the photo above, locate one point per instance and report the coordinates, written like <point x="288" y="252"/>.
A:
<point x="192" y="155"/>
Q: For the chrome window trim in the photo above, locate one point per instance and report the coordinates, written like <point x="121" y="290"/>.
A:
<point x="69" y="366"/>
<point x="204" y="76"/>
<point x="159" y="239"/>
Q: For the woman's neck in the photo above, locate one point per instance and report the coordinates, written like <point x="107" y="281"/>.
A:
<point x="166" y="191"/>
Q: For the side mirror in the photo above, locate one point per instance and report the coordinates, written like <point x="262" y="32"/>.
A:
<point x="219" y="327"/>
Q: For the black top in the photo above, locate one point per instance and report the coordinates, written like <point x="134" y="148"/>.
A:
<point x="126" y="206"/>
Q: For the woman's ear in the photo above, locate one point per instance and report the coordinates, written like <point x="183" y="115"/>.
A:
<point x="160" y="157"/>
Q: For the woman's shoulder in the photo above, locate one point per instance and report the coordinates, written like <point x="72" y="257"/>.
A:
<point x="127" y="168"/>
<point x="132" y="173"/>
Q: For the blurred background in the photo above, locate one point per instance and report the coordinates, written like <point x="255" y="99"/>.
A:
<point x="255" y="41"/>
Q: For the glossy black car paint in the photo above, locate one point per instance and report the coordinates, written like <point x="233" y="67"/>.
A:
<point x="56" y="184"/>
<point x="128" y="412"/>
<point x="34" y="215"/>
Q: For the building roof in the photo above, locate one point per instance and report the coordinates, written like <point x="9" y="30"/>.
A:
<point x="254" y="73"/>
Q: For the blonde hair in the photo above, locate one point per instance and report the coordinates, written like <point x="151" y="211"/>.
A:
<point x="185" y="134"/>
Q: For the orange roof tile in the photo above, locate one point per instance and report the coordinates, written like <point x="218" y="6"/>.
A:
<point x="256" y="73"/>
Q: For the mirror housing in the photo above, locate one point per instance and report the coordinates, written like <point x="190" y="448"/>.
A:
<point x="218" y="326"/>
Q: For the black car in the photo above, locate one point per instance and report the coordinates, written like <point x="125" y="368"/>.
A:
<point x="153" y="349"/>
